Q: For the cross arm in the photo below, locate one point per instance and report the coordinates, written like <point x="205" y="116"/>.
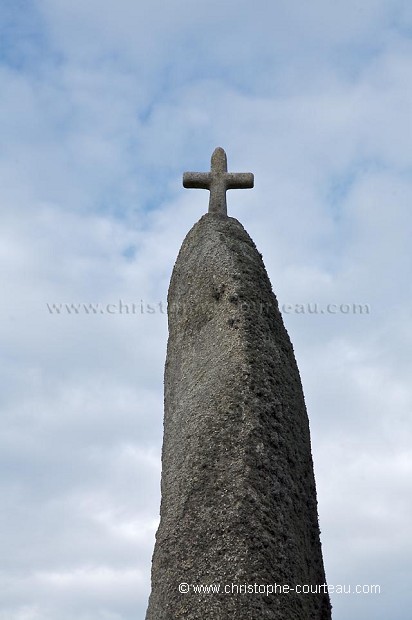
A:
<point x="239" y="180"/>
<point x="197" y="180"/>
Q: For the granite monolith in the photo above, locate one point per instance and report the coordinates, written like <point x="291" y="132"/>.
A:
<point x="238" y="507"/>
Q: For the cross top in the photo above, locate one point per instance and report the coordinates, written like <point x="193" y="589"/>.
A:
<point x="218" y="181"/>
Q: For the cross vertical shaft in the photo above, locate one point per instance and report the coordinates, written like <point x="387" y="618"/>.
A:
<point x="218" y="181"/>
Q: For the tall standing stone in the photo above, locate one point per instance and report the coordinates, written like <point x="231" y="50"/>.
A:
<point x="238" y="508"/>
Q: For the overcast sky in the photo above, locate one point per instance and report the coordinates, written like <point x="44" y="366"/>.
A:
<point x="104" y="104"/>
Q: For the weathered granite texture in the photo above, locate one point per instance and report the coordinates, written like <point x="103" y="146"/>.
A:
<point x="238" y="490"/>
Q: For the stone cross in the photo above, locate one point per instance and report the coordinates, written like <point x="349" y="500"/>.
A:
<point x="217" y="181"/>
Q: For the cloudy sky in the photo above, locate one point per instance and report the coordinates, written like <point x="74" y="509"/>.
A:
<point x="104" y="103"/>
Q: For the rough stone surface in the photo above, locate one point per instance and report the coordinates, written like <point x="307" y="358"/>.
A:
<point x="238" y="491"/>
